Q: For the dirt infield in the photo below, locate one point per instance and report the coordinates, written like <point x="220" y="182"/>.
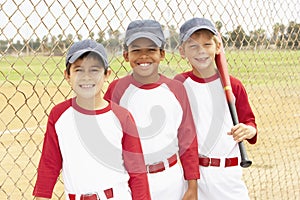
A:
<point x="274" y="174"/>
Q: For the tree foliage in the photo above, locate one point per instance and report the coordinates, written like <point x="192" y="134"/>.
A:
<point x="283" y="37"/>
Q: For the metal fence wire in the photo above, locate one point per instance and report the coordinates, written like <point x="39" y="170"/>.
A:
<point x="261" y="39"/>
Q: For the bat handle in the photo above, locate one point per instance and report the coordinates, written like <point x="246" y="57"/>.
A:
<point x="245" y="162"/>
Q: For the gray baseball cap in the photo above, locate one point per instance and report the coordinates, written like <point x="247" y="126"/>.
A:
<point x="150" y="29"/>
<point x="81" y="47"/>
<point x="194" y="24"/>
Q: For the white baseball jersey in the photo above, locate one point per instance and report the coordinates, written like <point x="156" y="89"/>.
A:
<point x="213" y="120"/>
<point x="95" y="149"/>
<point x="162" y="113"/>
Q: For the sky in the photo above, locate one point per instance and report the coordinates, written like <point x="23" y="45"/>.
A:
<point x="27" y="19"/>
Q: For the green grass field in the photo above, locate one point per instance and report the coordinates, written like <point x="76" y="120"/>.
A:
<point x="254" y="67"/>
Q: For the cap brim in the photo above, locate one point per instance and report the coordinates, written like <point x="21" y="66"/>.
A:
<point x="196" y="28"/>
<point x="79" y="53"/>
<point x="147" y="35"/>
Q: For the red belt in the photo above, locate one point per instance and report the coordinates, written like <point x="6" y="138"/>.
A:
<point x="215" y="162"/>
<point x="159" y="167"/>
<point x="108" y="193"/>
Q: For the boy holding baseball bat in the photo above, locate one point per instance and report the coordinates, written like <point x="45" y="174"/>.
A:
<point x="219" y="157"/>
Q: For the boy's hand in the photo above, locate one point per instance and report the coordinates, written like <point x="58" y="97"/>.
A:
<point x="242" y="132"/>
<point x="191" y="193"/>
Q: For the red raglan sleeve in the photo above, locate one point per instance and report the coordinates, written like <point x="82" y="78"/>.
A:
<point x="243" y="108"/>
<point x="133" y="156"/>
<point x="50" y="162"/>
<point x="187" y="137"/>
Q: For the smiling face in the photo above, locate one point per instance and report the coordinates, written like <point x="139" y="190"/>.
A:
<point x="86" y="78"/>
<point x="144" y="58"/>
<point x="200" y="50"/>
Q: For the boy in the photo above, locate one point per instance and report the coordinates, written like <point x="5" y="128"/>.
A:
<point x="93" y="141"/>
<point x="218" y="150"/>
<point x="162" y="113"/>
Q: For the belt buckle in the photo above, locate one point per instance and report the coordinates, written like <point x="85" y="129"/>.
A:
<point x="147" y="168"/>
<point x="150" y="165"/>
<point x="209" y="162"/>
<point x="166" y="164"/>
<point x="206" y="157"/>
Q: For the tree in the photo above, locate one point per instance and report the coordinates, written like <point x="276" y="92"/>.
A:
<point x="91" y="35"/>
<point x="174" y="37"/>
<point x="293" y="35"/>
<point x="278" y="34"/>
<point x="61" y="43"/>
<point x="110" y="33"/>
<point x="53" y="42"/>
<point x="26" y="42"/>
<point x="238" y="37"/>
<point x="17" y="46"/>
<point x="276" y="31"/>
<point x="257" y="37"/>
<point x="101" y="36"/>
<point x="44" y="45"/>
<point x="113" y="41"/>
<point x="37" y="44"/>
<point x="219" y="25"/>
<point x="3" y="46"/>
<point x="69" y="40"/>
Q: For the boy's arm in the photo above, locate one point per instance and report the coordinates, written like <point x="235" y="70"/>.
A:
<point x="50" y="164"/>
<point x="188" y="148"/>
<point x="243" y="108"/>
<point x="242" y="131"/>
<point x="133" y="156"/>
<point x="187" y="138"/>
<point x="191" y="193"/>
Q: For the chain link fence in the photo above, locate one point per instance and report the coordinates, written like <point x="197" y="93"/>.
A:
<point x="261" y="39"/>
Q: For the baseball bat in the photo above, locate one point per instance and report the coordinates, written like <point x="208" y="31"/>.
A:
<point x="224" y="76"/>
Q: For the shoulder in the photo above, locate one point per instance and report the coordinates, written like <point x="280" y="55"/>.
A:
<point x="237" y="86"/>
<point x="118" y="109"/>
<point x="60" y="108"/>
<point x="171" y="82"/>
<point x="124" y="116"/>
<point x="176" y="87"/>
<point x="116" y="88"/>
<point x="182" y="76"/>
<point x="64" y="105"/>
<point x="120" y="81"/>
<point x="234" y="80"/>
<point x="121" y="112"/>
<point x="235" y="83"/>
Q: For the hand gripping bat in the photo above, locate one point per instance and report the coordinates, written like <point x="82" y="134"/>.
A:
<point x="224" y="76"/>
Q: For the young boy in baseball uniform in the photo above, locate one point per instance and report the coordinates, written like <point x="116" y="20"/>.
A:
<point x="162" y="113"/>
<point x="93" y="141"/>
<point x="218" y="139"/>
